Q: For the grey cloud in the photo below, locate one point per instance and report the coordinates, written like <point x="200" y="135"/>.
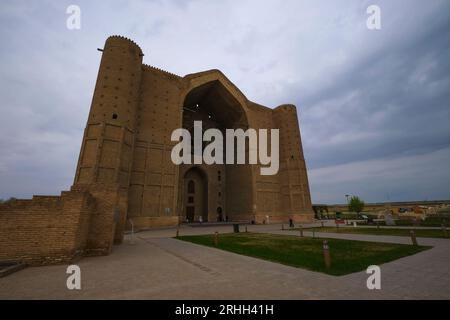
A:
<point x="418" y="177"/>
<point x="366" y="99"/>
<point x="394" y="101"/>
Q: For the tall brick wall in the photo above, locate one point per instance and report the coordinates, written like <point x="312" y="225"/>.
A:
<point x="267" y="189"/>
<point x="153" y="188"/>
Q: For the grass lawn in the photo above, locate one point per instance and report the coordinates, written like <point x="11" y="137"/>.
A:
<point x="429" y="222"/>
<point x="347" y="256"/>
<point x="425" y="233"/>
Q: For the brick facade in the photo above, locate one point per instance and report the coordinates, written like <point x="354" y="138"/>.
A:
<point x="125" y="174"/>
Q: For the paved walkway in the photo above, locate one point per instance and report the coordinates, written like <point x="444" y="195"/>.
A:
<point x="152" y="265"/>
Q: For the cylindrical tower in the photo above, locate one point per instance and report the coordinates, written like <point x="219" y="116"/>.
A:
<point x="106" y="153"/>
<point x="295" y="194"/>
<point x="110" y="127"/>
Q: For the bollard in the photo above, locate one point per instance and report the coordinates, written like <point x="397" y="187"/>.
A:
<point x="378" y="225"/>
<point x="413" y="238"/>
<point x="326" y="254"/>
<point x="132" y="231"/>
<point x="246" y="229"/>
<point x="314" y="232"/>
<point x="178" y="233"/>
<point x="354" y="224"/>
<point x="301" y="231"/>
<point x="216" y="238"/>
<point x="321" y="222"/>
<point x="444" y="230"/>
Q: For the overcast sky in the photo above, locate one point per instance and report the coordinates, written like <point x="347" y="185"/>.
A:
<point x="374" y="106"/>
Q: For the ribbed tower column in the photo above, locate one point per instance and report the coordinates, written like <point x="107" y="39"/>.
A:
<point x="106" y="154"/>
<point x="294" y="187"/>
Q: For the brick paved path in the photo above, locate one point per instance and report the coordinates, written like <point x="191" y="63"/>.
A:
<point x="155" y="266"/>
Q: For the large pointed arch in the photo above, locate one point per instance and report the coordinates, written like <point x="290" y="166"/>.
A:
<point x="213" y="96"/>
<point x="197" y="79"/>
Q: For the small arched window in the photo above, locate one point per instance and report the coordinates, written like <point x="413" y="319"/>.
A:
<point x="191" y="186"/>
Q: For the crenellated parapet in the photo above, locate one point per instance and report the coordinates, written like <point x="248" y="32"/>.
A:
<point x="112" y="40"/>
<point x="162" y="71"/>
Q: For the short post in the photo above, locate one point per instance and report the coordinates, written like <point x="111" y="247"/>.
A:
<point x="132" y="232"/>
<point x="246" y="229"/>
<point x="354" y="224"/>
<point x="314" y="232"/>
<point x="216" y="238"/>
<point x="321" y="222"/>
<point x="413" y="238"/>
<point x="178" y="233"/>
<point x="444" y="230"/>
<point x="326" y="254"/>
<point x="378" y="224"/>
<point x="301" y="230"/>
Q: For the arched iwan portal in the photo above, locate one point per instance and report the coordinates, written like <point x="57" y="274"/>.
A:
<point x="230" y="187"/>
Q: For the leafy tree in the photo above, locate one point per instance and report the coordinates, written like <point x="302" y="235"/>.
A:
<point x="355" y="204"/>
<point x="12" y="199"/>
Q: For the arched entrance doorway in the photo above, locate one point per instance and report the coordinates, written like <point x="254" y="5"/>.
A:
<point x="195" y="195"/>
<point x="219" y="214"/>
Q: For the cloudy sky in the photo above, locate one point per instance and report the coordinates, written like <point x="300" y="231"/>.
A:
<point x="374" y="105"/>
